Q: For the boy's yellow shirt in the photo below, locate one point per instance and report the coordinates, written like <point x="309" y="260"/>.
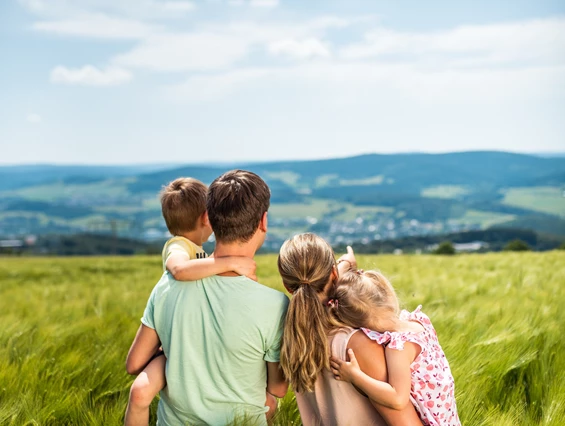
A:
<point x="182" y="245"/>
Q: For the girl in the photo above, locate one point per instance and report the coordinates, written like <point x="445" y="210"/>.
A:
<point x="417" y="368"/>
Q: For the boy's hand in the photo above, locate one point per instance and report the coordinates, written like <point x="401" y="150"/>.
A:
<point x="245" y="266"/>
<point x="343" y="370"/>
<point x="347" y="262"/>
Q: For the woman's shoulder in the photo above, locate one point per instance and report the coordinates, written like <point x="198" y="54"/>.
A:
<point x="345" y="338"/>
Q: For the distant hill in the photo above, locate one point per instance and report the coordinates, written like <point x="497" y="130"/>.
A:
<point x="13" y="177"/>
<point x="369" y="197"/>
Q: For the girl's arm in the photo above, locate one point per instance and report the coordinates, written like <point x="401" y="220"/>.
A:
<point x="396" y="393"/>
<point x="371" y="359"/>
<point x="347" y="262"/>
<point x="185" y="269"/>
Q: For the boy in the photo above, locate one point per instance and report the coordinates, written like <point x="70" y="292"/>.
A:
<point x="183" y="204"/>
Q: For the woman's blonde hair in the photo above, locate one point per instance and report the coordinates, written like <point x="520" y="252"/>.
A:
<point x="305" y="263"/>
<point x="363" y="299"/>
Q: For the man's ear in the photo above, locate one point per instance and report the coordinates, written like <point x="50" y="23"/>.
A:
<point x="204" y="220"/>
<point x="263" y="223"/>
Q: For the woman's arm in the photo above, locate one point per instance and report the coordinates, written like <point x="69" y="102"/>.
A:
<point x="183" y="268"/>
<point x="370" y="357"/>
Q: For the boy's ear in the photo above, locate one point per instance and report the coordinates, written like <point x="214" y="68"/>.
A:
<point x="263" y="223"/>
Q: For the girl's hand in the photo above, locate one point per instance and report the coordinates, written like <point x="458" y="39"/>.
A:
<point x="245" y="266"/>
<point x="343" y="370"/>
<point x="347" y="262"/>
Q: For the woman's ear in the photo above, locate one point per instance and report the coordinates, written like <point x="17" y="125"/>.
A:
<point x="335" y="274"/>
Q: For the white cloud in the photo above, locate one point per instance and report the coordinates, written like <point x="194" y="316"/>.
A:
<point x="97" y="26"/>
<point x="254" y="3"/>
<point x="263" y="3"/>
<point x="376" y="83"/>
<point x="213" y="87"/>
<point x="36" y="6"/>
<point x="214" y="47"/>
<point x="300" y="49"/>
<point x="132" y="9"/>
<point x="178" y="6"/>
<point x="182" y="52"/>
<point x="90" y="76"/>
<point x="538" y="41"/>
<point x="34" y="118"/>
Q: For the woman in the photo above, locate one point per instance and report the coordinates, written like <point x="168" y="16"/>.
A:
<point x="308" y="269"/>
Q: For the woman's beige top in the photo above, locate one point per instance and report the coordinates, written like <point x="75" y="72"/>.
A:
<point x="336" y="403"/>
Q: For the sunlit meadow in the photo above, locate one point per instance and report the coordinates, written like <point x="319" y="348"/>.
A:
<point x="67" y="323"/>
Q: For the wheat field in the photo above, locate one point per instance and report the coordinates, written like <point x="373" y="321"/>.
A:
<point x="67" y="323"/>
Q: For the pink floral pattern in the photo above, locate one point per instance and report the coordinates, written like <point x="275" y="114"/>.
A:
<point x="433" y="387"/>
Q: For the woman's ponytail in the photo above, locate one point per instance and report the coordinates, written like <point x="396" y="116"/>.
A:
<point x="305" y="263"/>
<point x="305" y="351"/>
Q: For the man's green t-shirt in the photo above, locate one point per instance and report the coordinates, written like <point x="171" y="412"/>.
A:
<point x="217" y="333"/>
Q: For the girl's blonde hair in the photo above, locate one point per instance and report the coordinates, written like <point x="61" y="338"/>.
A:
<point x="305" y="263"/>
<point x="364" y="299"/>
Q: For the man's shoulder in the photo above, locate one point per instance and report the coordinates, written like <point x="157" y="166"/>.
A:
<point x="265" y="290"/>
<point x="164" y="282"/>
<point x="251" y="290"/>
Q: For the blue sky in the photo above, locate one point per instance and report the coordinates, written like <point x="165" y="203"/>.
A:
<point x="179" y="81"/>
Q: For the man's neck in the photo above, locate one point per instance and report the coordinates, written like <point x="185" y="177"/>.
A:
<point x="247" y="249"/>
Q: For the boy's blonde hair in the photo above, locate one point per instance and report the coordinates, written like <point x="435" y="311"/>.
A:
<point x="305" y="263"/>
<point x="363" y="299"/>
<point x="183" y="201"/>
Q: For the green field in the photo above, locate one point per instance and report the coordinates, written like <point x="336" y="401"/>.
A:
<point x="445" y="191"/>
<point x="67" y="324"/>
<point x="483" y="219"/>
<point x="545" y="199"/>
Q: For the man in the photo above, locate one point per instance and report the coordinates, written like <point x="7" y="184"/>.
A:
<point x="221" y="335"/>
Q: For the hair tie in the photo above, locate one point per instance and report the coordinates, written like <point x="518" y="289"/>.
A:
<point x="360" y="271"/>
<point x="305" y="282"/>
<point x="333" y="303"/>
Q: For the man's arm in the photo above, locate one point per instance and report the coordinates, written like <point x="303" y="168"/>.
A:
<point x="276" y="383"/>
<point x="145" y="345"/>
<point x="371" y="359"/>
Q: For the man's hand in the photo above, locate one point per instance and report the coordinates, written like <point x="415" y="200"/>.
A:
<point x="347" y="262"/>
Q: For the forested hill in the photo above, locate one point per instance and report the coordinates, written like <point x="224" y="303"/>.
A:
<point x="385" y="196"/>
<point x="408" y="173"/>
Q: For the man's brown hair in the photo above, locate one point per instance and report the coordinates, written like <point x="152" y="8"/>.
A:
<point x="182" y="202"/>
<point x="236" y="203"/>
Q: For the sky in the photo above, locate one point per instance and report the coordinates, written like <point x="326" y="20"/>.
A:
<point x="200" y="81"/>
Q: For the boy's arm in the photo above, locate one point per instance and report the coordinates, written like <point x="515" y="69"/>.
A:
<point x="183" y="268"/>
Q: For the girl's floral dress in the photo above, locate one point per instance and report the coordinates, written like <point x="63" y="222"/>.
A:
<point x="432" y="390"/>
